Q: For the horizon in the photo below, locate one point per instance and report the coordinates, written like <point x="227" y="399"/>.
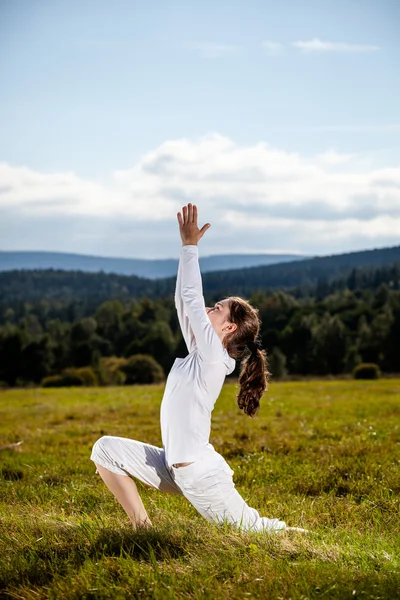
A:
<point x="101" y="256"/>
<point x="279" y="121"/>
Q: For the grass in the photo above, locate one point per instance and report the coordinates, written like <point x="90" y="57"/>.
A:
<point x="320" y="455"/>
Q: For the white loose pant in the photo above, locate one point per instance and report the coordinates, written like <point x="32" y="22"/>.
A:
<point x="206" y="483"/>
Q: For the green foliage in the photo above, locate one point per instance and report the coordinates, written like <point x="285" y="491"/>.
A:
<point x="159" y="343"/>
<point x="109" y="317"/>
<point x="63" y="380"/>
<point x="320" y="335"/>
<point x="366" y="371"/>
<point x="85" y="376"/>
<point x="277" y="363"/>
<point x="37" y="359"/>
<point x="110" y="372"/>
<point x="12" y="342"/>
<point x="142" y="368"/>
<point x="355" y="270"/>
<point x="330" y="344"/>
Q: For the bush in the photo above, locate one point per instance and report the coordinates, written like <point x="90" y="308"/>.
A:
<point x="142" y="368"/>
<point x="85" y="374"/>
<point x="72" y="377"/>
<point x="110" y="372"/>
<point x="61" y="381"/>
<point x="366" y="371"/>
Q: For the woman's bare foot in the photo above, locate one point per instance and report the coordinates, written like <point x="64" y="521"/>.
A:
<point x="146" y="524"/>
<point x="296" y="529"/>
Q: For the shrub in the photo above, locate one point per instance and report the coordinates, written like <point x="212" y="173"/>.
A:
<point x="366" y="371"/>
<point x="85" y="374"/>
<point x="72" y="377"/>
<point x="142" y="368"/>
<point x="110" y="370"/>
<point x="62" y="380"/>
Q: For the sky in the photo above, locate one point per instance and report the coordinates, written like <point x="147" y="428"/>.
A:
<point x="279" y="119"/>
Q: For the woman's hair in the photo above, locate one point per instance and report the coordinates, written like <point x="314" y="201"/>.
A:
<point x="254" y="374"/>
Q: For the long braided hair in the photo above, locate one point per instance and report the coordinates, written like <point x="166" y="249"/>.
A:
<point x="244" y="344"/>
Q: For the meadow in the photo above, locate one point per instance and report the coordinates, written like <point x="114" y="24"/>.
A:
<point x="324" y="455"/>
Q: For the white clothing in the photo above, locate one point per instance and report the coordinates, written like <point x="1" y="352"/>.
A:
<point x="206" y="483"/>
<point x="195" y="382"/>
<point x="192" y="387"/>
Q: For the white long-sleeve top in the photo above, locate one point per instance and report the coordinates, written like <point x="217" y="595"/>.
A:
<point x="194" y="382"/>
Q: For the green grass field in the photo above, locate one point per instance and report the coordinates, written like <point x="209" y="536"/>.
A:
<point x="320" y="455"/>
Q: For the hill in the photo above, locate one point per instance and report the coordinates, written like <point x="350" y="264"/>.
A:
<point x="34" y="285"/>
<point x="141" y="267"/>
<point x="306" y="273"/>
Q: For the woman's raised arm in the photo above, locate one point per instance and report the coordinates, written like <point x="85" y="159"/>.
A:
<point x="206" y="338"/>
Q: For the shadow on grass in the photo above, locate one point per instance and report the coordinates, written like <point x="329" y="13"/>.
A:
<point x="139" y="545"/>
<point x="61" y="551"/>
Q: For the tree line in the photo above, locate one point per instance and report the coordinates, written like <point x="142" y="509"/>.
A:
<point x="355" y="270"/>
<point x="330" y="331"/>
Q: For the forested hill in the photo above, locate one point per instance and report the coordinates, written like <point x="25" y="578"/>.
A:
<point x="149" y="268"/>
<point x="306" y="273"/>
<point x="67" y="286"/>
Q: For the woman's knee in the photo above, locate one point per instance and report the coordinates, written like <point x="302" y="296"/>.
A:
<point x="103" y="444"/>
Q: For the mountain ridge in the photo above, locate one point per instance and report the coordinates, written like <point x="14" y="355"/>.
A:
<point x="34" y="285"/>
<point x="150" y="268"/>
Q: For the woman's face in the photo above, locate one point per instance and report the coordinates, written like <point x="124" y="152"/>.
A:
<point x="219" y="317"/>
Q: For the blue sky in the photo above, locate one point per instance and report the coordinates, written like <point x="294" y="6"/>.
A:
<point x="280" y="120"/>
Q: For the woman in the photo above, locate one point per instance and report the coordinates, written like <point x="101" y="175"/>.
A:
<point x="188" y="464"/>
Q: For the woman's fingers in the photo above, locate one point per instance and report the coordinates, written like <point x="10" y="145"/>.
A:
<point x="204" y="229"/>
<point x="188" y="223"/>
<point x="189" y="213"/>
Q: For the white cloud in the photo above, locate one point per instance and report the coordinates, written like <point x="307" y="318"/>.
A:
<point x="215" y="50"/>
<point x="58" y="193"/>
<point x="317" y="45"/>
<point x="378" y="226"/>
<point x="272" y="48"/>
<point x="331" y="157"/>
<point x="256" y="197"/>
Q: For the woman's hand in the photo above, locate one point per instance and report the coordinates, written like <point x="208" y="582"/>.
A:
<point x="189" y="231"/>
